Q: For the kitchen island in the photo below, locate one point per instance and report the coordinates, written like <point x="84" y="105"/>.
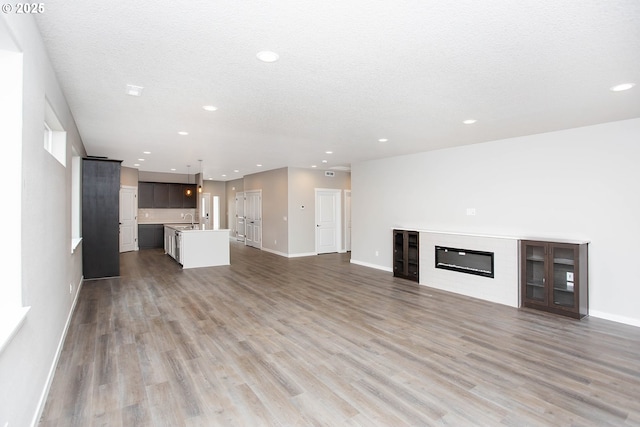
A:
<point x="196" y="246"/>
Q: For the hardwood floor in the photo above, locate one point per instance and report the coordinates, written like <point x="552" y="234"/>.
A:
<point x="317" y="341"/>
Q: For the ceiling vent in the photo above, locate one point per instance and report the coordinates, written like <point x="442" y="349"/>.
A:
<point x="329" y="173"/>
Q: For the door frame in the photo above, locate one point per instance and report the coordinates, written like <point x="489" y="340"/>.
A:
<point x="337" y="197"/>
<point x="347" y="221"/>
<point x="135" y="217"/>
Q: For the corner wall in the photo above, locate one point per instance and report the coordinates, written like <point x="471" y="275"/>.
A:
<point x="302" y="185"/>
<point x="273" y="184"/>
<point x="578" y="184"/>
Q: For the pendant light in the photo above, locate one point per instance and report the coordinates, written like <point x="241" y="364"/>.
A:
<point x="200" y="180"/>
<point x="188" y="191"/>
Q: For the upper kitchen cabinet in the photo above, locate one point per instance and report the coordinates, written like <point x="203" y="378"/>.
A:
<point x="145" y="195"/>
<point x="189" y="198"/>
<point x="100" y="218"/>
<point x="175" y="196"/>
<point x="162" y="195"/>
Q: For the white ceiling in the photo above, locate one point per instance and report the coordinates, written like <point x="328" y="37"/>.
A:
<point x="350" y="72"/>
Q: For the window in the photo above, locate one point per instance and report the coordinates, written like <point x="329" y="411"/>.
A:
<point x="12" y="313"/>
<point x="76" y="192"/>
<point x="55" y="138"/>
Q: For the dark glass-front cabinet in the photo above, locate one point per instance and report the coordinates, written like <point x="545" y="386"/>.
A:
<point x="406" y="254"/>
<point x="100" y="218"/>
<point x="554" y="277"/>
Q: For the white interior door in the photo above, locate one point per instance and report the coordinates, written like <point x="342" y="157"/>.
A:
<point x="128" y="218"/>
<point x="328" y="210"/>
<point x="253" y="218"/>
<point x="347" y="220"/>
<point x="240" y="220"/>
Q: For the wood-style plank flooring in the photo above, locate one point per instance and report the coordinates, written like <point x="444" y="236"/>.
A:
<point x="318" y="341"/>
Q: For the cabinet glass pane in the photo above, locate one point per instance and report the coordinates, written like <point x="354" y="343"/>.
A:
<point x="535" y="273"/>
<point x="563" y="277"/>
<point x="398" y="253"/>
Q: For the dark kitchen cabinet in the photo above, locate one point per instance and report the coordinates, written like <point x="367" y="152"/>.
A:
<point x="150" y="236"/>
<point x="554" y="277"/>
<point x="176" y="194"/>
<point x="145" y="195"/>
<point x="163" y="195"/>
<point x="406" y="251"/>
<point x="189" y="198"/>
<point x="100" y="217"/>
<point x="160" y="195"/>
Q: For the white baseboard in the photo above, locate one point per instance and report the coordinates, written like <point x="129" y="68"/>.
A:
<point x="376" y="266"/>
<point x="52" y="369"/>
<point x="615" y="318"/>
<point x="271" y="251"/>
<point x="298" y="255"/>
<point x="302" y="254"/>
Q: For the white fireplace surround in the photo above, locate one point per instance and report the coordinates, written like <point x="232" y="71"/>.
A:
<point x="503" y="288"/>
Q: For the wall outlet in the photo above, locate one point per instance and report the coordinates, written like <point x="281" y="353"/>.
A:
<point x="70" y="288"/>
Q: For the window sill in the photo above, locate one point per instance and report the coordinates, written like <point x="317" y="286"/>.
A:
<point x="75" y="243"/>
<point x="10" y="322"/>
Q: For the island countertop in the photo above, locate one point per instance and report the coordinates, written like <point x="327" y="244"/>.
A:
<point x="186" y="227"/>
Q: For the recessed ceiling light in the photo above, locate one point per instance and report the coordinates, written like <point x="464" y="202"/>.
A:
<point x="314" y="166"/>
<point x="328" y="152"/>
<point x="134" y="90"/>
<point x="141" y="160"/>
<point x="267" y="56"/>
<point x="136" y="164"/>
<point x="259" y="165"/>
<point x="224" y="174"/>
<point x="324" y="161"/>
<point x="183" y="133"/>
<point x="383" y="140"/>
<point x="210" y="108"/>
<point x="469" y="121"/>
<point x="621" y="87"/>
<point x="236" y="170"/>
<point x="146" y="152"/>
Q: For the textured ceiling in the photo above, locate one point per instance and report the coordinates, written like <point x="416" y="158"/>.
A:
<point x="350" y="72"/>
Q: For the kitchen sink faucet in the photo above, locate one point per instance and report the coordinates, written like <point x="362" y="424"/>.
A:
<point x="185" y="215"/>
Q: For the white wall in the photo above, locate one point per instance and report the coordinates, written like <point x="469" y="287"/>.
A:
<point x="45" y="212"/>
<point x="578" y="184"/>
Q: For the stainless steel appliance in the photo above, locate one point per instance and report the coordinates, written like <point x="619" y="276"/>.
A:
<point x="178" y="247"/>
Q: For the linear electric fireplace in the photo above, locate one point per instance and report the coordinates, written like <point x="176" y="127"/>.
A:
<point x="465" y="261"/>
